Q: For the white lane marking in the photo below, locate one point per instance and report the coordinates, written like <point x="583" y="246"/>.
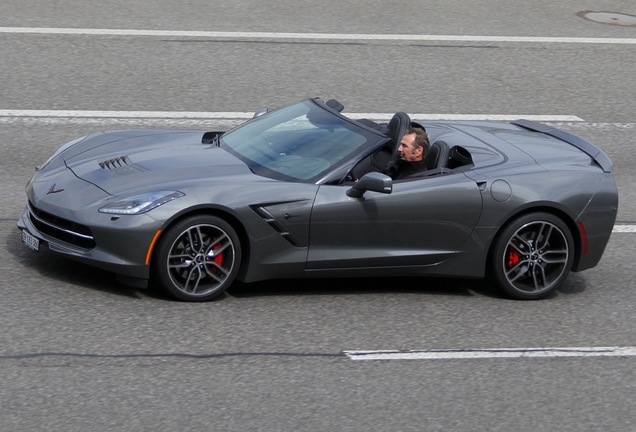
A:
<point x="317" y="36"/>
<point x="248" y="115"/>
<point x="127" y="114"/>
<point x="620" y="228"/>
<point x="596" y="126"/>
<point x="492" y="353"/>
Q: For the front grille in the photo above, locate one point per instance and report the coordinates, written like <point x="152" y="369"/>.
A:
<point x="62" y="229"/>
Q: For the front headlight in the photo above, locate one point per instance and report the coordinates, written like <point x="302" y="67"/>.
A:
<point x="141" y="203"/>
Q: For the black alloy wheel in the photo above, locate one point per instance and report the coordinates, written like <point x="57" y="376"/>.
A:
<point x="197" y="259"/>
<point x="532" y="256"/>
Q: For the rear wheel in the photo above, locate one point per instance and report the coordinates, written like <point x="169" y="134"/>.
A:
<point x="532" y="256"/>
<point x="197" y="259"/>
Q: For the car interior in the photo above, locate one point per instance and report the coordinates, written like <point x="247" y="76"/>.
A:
<point x="440" y="159"/>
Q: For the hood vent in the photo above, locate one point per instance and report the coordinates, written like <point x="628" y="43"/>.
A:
<point x="121" y="165"/>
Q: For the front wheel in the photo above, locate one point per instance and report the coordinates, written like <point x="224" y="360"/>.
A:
<point x="532" y="256"/>
<point x="197" y="259"/>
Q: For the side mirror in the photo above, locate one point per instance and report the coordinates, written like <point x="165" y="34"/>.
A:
<point x="373" y="181"/>
<point x="260" y="112"/>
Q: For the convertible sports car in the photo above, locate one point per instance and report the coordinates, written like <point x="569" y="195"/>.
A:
<point x="299" y="192"/>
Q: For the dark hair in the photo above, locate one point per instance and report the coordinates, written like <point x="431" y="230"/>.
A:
<point x="421" y="138"/>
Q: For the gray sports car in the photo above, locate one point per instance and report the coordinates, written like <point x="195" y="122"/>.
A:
<point x="299" y="192"/>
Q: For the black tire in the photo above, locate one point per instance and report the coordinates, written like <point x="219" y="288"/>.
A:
<point x="532" y="256"/>
<point x="197" y="259"/>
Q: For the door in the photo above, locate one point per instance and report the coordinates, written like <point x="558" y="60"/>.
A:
<point x="421" y="223"/>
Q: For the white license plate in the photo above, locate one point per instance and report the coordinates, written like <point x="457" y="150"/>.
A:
<point x="30" y="241"/>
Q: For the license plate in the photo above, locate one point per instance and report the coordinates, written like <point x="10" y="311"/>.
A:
<point x="30" y="241"/>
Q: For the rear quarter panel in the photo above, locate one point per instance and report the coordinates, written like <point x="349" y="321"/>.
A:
<point x="565" y="183"/>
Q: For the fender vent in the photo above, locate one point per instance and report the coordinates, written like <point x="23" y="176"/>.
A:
<point x="276" y="225"/>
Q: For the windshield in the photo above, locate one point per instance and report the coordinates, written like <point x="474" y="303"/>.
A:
<point x="300" y="142"/>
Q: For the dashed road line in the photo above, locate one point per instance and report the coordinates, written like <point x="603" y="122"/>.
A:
<point x="495" y="353"/>
<point x="624" y="228"/>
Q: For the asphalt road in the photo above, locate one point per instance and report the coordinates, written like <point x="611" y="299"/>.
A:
<point x="81" y="352"/>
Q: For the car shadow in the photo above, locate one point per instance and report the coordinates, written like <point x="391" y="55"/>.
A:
<point x="357" y="286"/>
<point x="574" y="284"/>
<point x="57" y="267"/>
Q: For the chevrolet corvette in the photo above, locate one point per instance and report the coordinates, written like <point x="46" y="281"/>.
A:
<point x="299" y="192"/>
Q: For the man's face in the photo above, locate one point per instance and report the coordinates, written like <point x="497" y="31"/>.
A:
<point x="407" y="150"/>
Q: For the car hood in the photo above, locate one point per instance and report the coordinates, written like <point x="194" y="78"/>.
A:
<point x="120" y="162"/>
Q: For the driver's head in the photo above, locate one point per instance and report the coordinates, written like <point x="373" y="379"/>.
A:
<point x="414" y="145"/>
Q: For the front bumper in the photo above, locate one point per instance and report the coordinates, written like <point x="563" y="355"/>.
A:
<point x="117" y="244"/>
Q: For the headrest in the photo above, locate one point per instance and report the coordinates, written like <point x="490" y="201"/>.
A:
<point x="437" y="155"/>
<point x="398" y="127"/>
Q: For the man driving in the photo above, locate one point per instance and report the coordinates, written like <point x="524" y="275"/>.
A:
<point x="411" y="151"/>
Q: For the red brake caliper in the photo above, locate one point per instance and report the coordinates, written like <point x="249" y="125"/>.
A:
<point x="218" y="259"/>
<point x="513" y="258"/>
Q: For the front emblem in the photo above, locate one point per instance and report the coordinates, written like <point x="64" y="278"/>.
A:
<point x="53" y="190"/>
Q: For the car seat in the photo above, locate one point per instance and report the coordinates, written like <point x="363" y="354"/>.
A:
<point x="437" y="155"/>
<point x="398" y="126"/>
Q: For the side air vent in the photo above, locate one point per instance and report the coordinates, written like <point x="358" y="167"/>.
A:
<point x="121" y="165"/>
<point x="276" y="225"/>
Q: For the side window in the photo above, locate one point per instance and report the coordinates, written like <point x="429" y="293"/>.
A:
<point x="375" y="162"/>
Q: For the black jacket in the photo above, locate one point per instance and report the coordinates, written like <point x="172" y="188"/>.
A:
<point x="399" y="169"/>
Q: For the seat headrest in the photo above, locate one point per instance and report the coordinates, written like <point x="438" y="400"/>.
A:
<point x="398" y="126"/>
<point x="437" y="155"/>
